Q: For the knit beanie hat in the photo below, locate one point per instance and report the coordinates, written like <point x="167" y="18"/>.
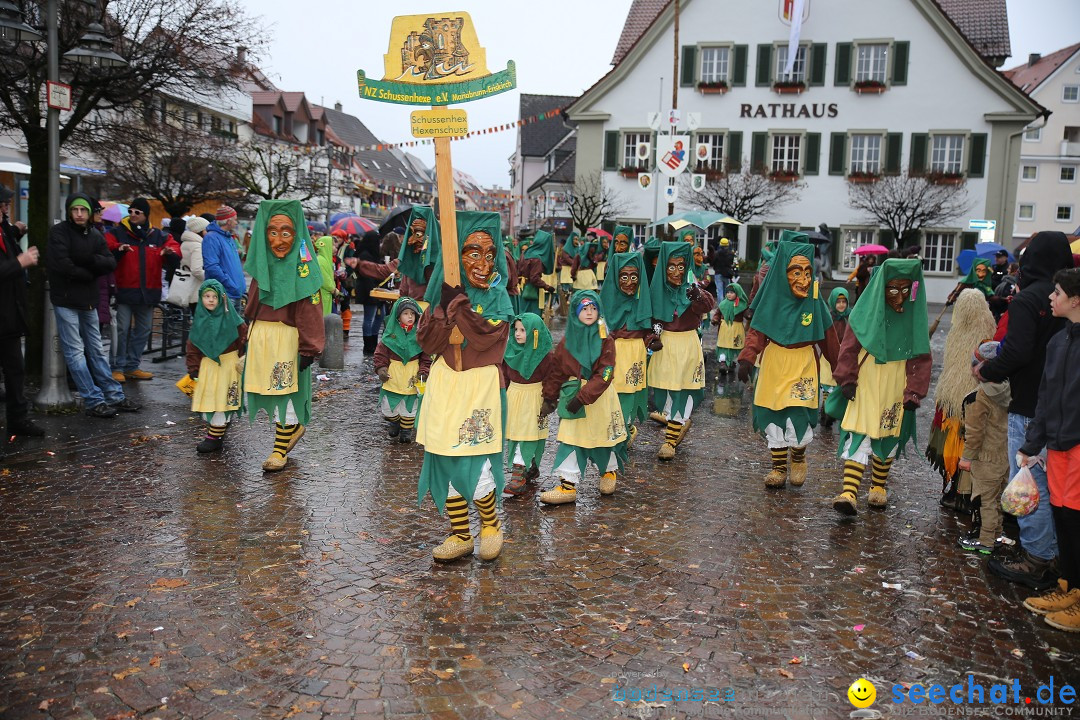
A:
<point x="224" y="213"/>
<point x="197" y="225"/>
<point x="986" y="351"/>
<point x="141" y="204"/>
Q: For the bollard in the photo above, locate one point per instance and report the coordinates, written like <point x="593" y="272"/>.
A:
<point x="333" y="355"/>
<point x="54" y="394"/>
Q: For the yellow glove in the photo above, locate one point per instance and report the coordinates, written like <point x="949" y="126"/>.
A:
<point x="186" y="385"/>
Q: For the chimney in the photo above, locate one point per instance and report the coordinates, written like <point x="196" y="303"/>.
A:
<point x="1034" y="58"/>
<point x="337" y="106"/>
<point x="241" y="54"/>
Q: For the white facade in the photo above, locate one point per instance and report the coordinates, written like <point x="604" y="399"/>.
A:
<point x="943" y="90"/>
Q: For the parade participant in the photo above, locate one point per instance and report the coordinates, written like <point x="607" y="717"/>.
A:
<point x="628" y="315"/>
<point x="214" y="346"/>
<point x="677" y="370"/>
<point x="401" y="365"/>
<point x="884" y="371"/>
<point x="839" y="308"/>
<point x="324" y="253"/>
<point x="591" y="426"/>
<point x="537" y="261"/>
<point x="420" y="252"/>
<point x="790" y="319"/>
<point x="601" y="256"/>
<point x="621" y="239"/>
<point x="461" y="418"/>
<point x="284" y="316"/>
<point x="651" y="253"/>
<point x="583" y="271"/>
<point x="526" y="363"/>
<point x="972" y="324"/>
<point x="731" y="330"/>
<point x="767" y="253"/>
<point x="979" y="277"/>
<point x="564" y="264"/>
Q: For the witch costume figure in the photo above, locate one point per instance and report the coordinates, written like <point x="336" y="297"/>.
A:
<point x="401" y="366"/>
<point x="979" y="277"/>
<point x="621" y="239"/>
<point x="462" y="416"/>
<point x="840" y="308"/>
<point x="884" y="372"/>
<point x="591" y="427"/>
<point x="564" y="264"/>
<point x="420" y="253"/>
<point x="526" y="363"/>
<point x="731" y="328"/>
<point x="790" y="326"/>
<point x="583" y="271"/>
<point x="537" y="262"/>
<point x="677" y="370"/>
<point x="213" y="353"/>
<point x="628" y="314"/>
<point x="285" y="321"/>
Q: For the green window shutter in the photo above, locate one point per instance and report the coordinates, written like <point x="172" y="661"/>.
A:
<point x="838" y="153"/>
<point x="843" y="63"/>
<point x="734" y="152"/>
<point x="688" y="70"/>
<point x="818" y="57"/>
<point x="764" y="66"/>
<point x="759" y="144"/>
<point x="977" y="155"/>
<point x="901" y="51"/>
<point x="611" y="150"/>
<point x="968" y="240"/>
<point x="753" y="245"/>
<point x="812" y="159"/>
<point x="919" y="144"/>
<point x="894" y="147"/>
<point x="738" y="72"/>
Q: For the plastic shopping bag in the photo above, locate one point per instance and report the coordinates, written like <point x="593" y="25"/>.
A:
<point x="1021" y="496"/>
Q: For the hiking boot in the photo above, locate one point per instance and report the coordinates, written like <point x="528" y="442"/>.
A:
<point x="209" y="445"/>
<point x="878" y="497"/>
<point x="607" y="483"/>
<point x="139" y="375"/>
<point x="406" y="436"/>
<point x="452" y="548"/>
<point x="844" y="503"/>
<point x="776" y="478"/>
<point x="1026" y="569"/>
<point x="666" y="452"/>
<point x="970" y="543"/>
<point x="127" y="405"/>
<point x="118" y="376"/>
<point x="394" y="428"/>
<point x="1060" y="598"/>
<point x="491" y="542"/>
<point x="101" y="410"/>
<point x="558" y="496"/>
<point x="26" y="428"/>
<point x="1067" y="619"/>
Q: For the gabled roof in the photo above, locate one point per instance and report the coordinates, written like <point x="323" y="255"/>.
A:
<point x="985" y="24"/>
<point x="539" y="137"/>
<point x="381" y="166"/>
<point x="1030" y="76"/>
<point x="293" y="100"/>
<point x="267" y="97"/>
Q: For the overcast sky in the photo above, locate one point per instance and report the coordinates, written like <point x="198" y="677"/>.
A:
<point x="561" y="47"/>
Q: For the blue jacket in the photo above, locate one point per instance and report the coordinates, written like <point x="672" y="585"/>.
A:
<point x="221" y="262"/>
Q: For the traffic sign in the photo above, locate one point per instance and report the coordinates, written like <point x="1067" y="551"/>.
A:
<point x="982" y="224"/>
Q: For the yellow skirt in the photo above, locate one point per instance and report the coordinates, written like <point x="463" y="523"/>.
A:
<point x="523" y="421"/>
<point x="564" y="275"/>
<point x="878" y="408"/>
<point x="401" y="377"/>
<point x="602" y="425"/>
<point x="731" y="336"/>
<point x="630" y="361"/>
<point x="679" y="365"/>
<point x="601" y="270"/>
<point x="826" y="372"/>
<point x="462" y="411"/>
<point x="273" y="349"/>
<point x="218" y="388"/>
<point x="788" y="378"/>
<point x="586" y="280"/>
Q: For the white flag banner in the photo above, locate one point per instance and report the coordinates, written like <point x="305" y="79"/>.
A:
<point x="793" y="38"/>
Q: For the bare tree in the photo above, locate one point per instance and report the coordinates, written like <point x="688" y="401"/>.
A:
<point x="591" y="202"/>
<point x="745" y="195"/>
<point x="264" y="169"/>
<point x="907" y="203"/>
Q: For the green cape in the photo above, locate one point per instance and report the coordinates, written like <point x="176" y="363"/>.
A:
<point x="973" y="280"/>
<point x="651" y="251"/>
<point x="401" y="343"/>
<point x="584" y="341"/>
<point x="670" y="302"/>
<point x="585" y="262"/>
<point x="730" y="308"/>
<point x="283" y="280"/>
<point x="833" y="297"/>
<point x="622" y="312"/>
<point x="494" y="302"/>
<point x="778" y="314"/>
<point x="524" y="357"/>
<point x="542" y="248"/>
<point x="414" y="265"/>
<point x="212" y="332"/>
<point x="884" y="333"/>
<point x="570" y="246"/>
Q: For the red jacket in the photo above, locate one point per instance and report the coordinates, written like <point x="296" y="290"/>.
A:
<point x="138" y="270"/>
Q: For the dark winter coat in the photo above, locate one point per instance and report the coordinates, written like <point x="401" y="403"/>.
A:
<point x="12" y="284"/>
<point x="1057" y="417"/>
<point x="75" y="258"/>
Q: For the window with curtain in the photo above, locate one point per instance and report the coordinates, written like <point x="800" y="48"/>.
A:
<point x="871" y="63"/>
<point x="785" y="153"/>
<point x="947" y="154"/>
<point x="714" y="64"/>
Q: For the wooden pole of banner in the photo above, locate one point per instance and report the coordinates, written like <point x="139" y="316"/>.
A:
<point x="444" y="182"/>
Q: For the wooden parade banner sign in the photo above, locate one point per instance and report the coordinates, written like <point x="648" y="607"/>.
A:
<point x="439" y="122"/>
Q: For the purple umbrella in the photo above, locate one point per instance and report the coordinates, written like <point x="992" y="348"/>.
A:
<point x="115" y="213"/>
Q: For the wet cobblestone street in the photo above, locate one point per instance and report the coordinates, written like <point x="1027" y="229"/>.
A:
<point x="140" y="579"/>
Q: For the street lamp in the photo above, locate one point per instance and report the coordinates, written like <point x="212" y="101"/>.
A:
<point x="12" y="27"/>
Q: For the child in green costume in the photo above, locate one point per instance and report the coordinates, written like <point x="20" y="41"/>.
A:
<point x="324" y="251"/>
<point x="401" y="366"/>
<point x="525" y="364"/>
<point x="731" y="328"/>
<point x="461" y="418"/>
<point x="213" y="353"/>
<point x="284" y="314"/>
<point x="884" y="371"/>
<point x="536" y="263"/>
<point x="840" y="307"/>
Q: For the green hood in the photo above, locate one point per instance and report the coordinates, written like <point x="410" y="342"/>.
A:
<point x="670" y="302"/>
<point x="414" y="265"/>
<point x="884" y="333"/>
<point x="543" y="249"/>
<point x="836" y="294"/>
<point x="687" y="231"/>
<point x="289" y="279"/>
<point x="585" y="253"/>
<point x="212" y="332"/>
<point x="778" y="314"/>
<point x="494" y="302"/>
<point x="324" y="247"/>
<point x="401" y="342"/>
<point x="730" y="308"/>
<point x="584" y="341"/>
<point x="651" y="252"/>
<point x="525" y="357"/>
<point x="973" y="280"/>
<point x="620" y="311"/>
<point x="571" y="245"/>
<point x="622" y="230"/>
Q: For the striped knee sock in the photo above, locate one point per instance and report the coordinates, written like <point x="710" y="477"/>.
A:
<point x="853" y="472"/>
<point x="407" y="423"/>
<point x="485" y="506"/>
<point x="779" y="459"/>
<point x="215" y="432"/>
<point x="798" y="455"/>
<point x="880" y="473"/>
<point x="458" y="510"/>
<point x="282" y="435"/>
<point x="671" y="432"/>
<point x="567" y="486"/>
<point x="392" y="419"/>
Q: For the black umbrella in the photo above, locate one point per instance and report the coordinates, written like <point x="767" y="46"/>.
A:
<point x="818" y="238"/>
<point x="397" y="217"/>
